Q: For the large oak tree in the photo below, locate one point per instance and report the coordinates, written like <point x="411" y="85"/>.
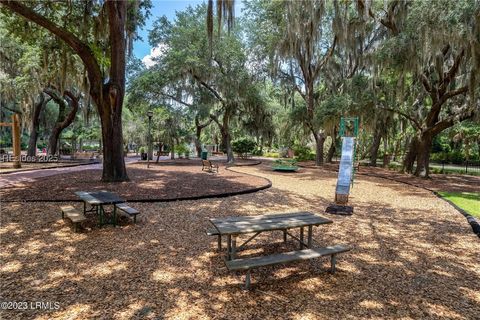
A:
<point x="104" y="61"/>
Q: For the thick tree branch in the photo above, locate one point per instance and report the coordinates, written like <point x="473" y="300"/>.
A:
<point x="12" y="110"/>
<point x="325" y="58"/>
<point x="453" y="93"/>
<point x="208" y="87"/>
<point x="84" y="52"/>
<point x="448" y="77"/>
<point x="201" y="126"/>
<point x="215" y="119"/>
<point x="403" y="114"/>
<point x="450" y="121"/>
<point x="71" y="116"/>
<point x="434" y="112"/>
<point x="176" y="99"/>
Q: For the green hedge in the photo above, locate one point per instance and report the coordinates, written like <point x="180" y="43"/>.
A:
<point x="303" y="153"/>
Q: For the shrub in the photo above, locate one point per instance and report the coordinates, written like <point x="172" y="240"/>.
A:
<point x="142" y="150"/>
<point x="181" y="149"/>
<point x="90" y="148"/>
<point x="243" y="146"/>
<point x="271" y="154"/>
<point x="303" y="153"/>
<point x="257" y="152"/>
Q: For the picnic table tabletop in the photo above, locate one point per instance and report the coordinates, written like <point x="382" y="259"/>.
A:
<point x="268" y="222"/>
<point x="99" y="197"/>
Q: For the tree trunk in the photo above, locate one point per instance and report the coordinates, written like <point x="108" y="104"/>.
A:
<point x="108" y="96"/>
<point x="423" y="156"/>
<point x="172" y="150"/>
<point x="225" y="132"/>
<point x="374" y="148"/>
<point x="32" y="142"/>
<point x="53" y="141"/>
<point x="319" y="142"/>
<point x="198" y="145"/>
<point x="110" y="100"/>
<point x="62" y="120"/>
<point x="386" y="155"/>
<point x="160" y="147"/>
<point x="331" y="150"/>
<point x="411" y="155"/>
<point x="198" y="132"/>
<point x="396" y="149"/>
<point x="226" y="139"/>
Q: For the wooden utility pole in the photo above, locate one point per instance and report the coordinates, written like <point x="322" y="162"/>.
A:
<point x="15" y="124"/>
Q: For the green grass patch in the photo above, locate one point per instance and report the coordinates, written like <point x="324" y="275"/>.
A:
<point x="468" y="201"/>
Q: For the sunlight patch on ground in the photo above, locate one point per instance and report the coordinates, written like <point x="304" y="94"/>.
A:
<point x="11" y="266"/>
<point x="106" y="268"/>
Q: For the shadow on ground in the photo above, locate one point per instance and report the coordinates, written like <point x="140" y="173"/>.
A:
<point x="413" y="257"/>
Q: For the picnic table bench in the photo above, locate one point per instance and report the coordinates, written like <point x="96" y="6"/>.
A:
<point x="232" y="227"/>
<point x="98" y="200"/>
<point x="75" y="215"/>
<point x="131" y="212"/>
<point x="209" y="166"/>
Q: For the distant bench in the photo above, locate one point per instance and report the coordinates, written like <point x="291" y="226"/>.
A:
<point x="84" y="155"/>
<point x="209" y="166"/>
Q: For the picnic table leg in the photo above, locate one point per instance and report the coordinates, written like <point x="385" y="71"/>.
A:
<point x="301" y="238"/>
<point x="234" y="247"/>
<point x="247" y="280"/>
<point x="229" y="246"/>
<point x="99" y="215"/>
<point x="219" y="243"/>
<point x="285" y="235"/>
<point x="332" y="267"/>
<point x="114" y="215"/>
<point x="309" y="241"/>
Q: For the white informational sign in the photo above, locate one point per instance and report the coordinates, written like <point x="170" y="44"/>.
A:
<point x="346" y="166"/>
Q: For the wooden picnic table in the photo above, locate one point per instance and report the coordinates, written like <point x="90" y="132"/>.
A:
<point x="232" y="227"/>
<point x="99" y="199"/>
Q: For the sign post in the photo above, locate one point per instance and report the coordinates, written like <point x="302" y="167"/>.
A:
<point x="348" y="133"/>
<point x="15" y="124"/>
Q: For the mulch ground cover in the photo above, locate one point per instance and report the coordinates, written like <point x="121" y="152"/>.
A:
<point x="165" y="180"/>
<point x="436" y="182"/>
<point x="413" y="257"/>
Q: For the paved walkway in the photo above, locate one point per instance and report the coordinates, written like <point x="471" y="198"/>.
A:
<point x="11" y="179"/>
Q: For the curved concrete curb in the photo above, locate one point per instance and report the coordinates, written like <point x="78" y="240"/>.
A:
<point x="470" y="219"/>
<point x="256" y="163"/>
<point x="206" y="196"/>
<point x="473" y="222"/>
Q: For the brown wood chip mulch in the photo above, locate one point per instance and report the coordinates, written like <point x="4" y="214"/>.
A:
<point x="166" y="180"/>
<point x="436" y="182"/>
<point x="413" y="257"/>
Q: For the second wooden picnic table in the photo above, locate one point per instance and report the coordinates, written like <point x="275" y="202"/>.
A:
<point x="232" y="227"/>
<point x="99" y="199"/>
